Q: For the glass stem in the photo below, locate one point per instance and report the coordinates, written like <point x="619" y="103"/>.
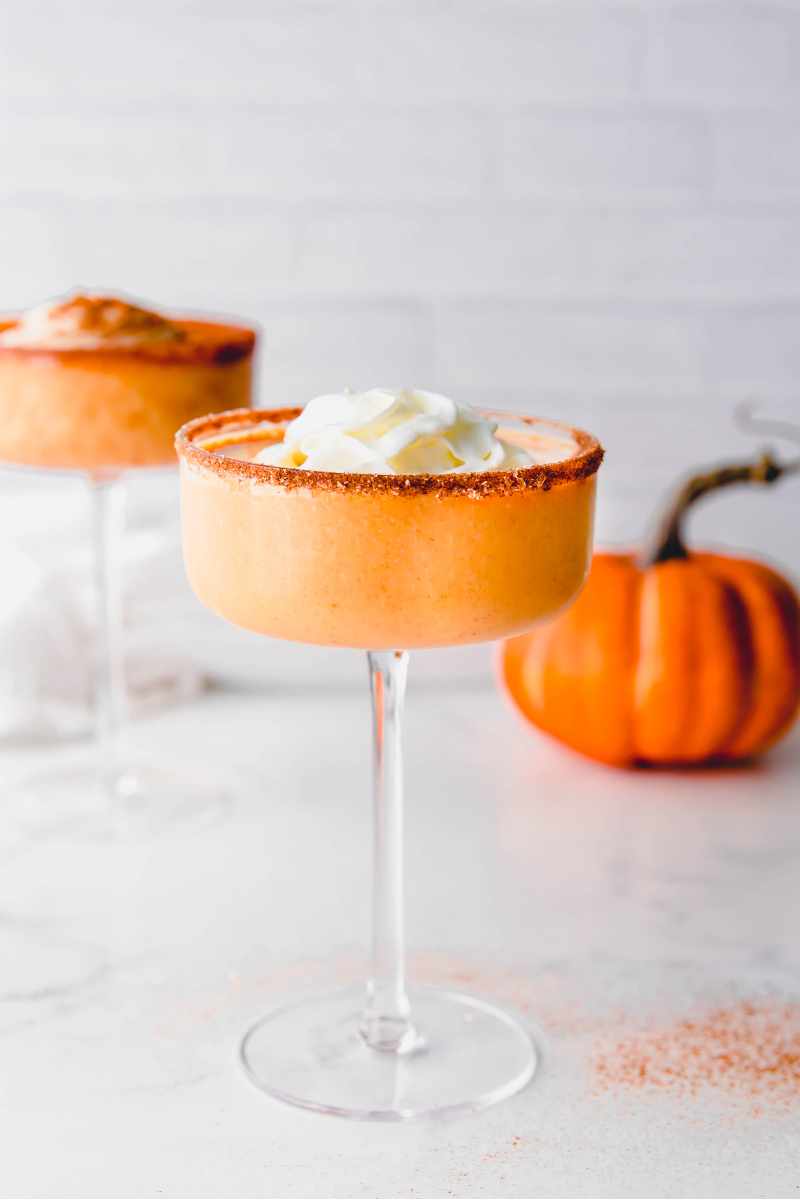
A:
<point x="386" y="1024"/>
<point x="108" y="518"/>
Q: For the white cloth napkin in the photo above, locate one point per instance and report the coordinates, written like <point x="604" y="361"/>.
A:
<point x="47" y="605"/>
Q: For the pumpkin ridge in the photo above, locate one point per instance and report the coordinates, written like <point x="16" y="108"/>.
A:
<point x="654" y="705"/>
<point x="691" y="684"/>
<point x="775" y="625"/>
<point x="608" y="649"/>
<point x="787" y="605"/>
<point x="687" y="694"/>
<point x="615" y="584"/>
<point x="741" y="638"/>
<point x="691" y="687"/>
<point x="660" y="696"/>
<point x="633" y="665"/>
<point x="747" y="645"/>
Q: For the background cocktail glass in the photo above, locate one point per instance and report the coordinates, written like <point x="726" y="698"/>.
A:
<point x="88" y="423"/>
<point x="381" y="562"/>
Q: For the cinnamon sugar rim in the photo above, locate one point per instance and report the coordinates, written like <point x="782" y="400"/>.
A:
<point x="206" y="342"/>
<point x="244" y="424"/>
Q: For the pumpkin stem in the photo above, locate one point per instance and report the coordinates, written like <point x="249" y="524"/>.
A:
<point x="668" y="541"/>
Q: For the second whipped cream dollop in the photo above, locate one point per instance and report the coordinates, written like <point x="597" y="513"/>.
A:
<point x="388" y="432"/>
<point x="83" y="322"/>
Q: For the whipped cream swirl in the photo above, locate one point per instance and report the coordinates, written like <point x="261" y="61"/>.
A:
<point x="392" y="432"/>
<point x="84" y="322"/>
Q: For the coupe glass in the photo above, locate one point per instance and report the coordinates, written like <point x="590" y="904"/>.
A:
<point x="386" y="564"/>
<point x="100" y="405"/>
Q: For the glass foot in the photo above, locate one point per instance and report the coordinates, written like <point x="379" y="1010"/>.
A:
<point x="468" y="1055"/>
<point x="81" y="800"/>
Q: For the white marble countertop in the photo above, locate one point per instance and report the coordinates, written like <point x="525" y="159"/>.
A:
<point x="595" y="902"/>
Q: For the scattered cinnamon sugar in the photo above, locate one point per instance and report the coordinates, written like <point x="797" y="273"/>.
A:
<point x="506" y="1151"/>
<point x="750" y="1050"/>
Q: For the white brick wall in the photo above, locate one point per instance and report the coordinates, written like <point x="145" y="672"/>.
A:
<point x="599" y="157"/>
<point x="723" y="54"/>
<point x="584" y="206"/>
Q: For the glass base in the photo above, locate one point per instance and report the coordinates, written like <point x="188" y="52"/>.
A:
<point x="81" y="800"/>
<point x="468" y="1055"/>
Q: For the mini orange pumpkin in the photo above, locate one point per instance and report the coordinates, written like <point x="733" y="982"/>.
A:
<point x="679" y="657"/>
